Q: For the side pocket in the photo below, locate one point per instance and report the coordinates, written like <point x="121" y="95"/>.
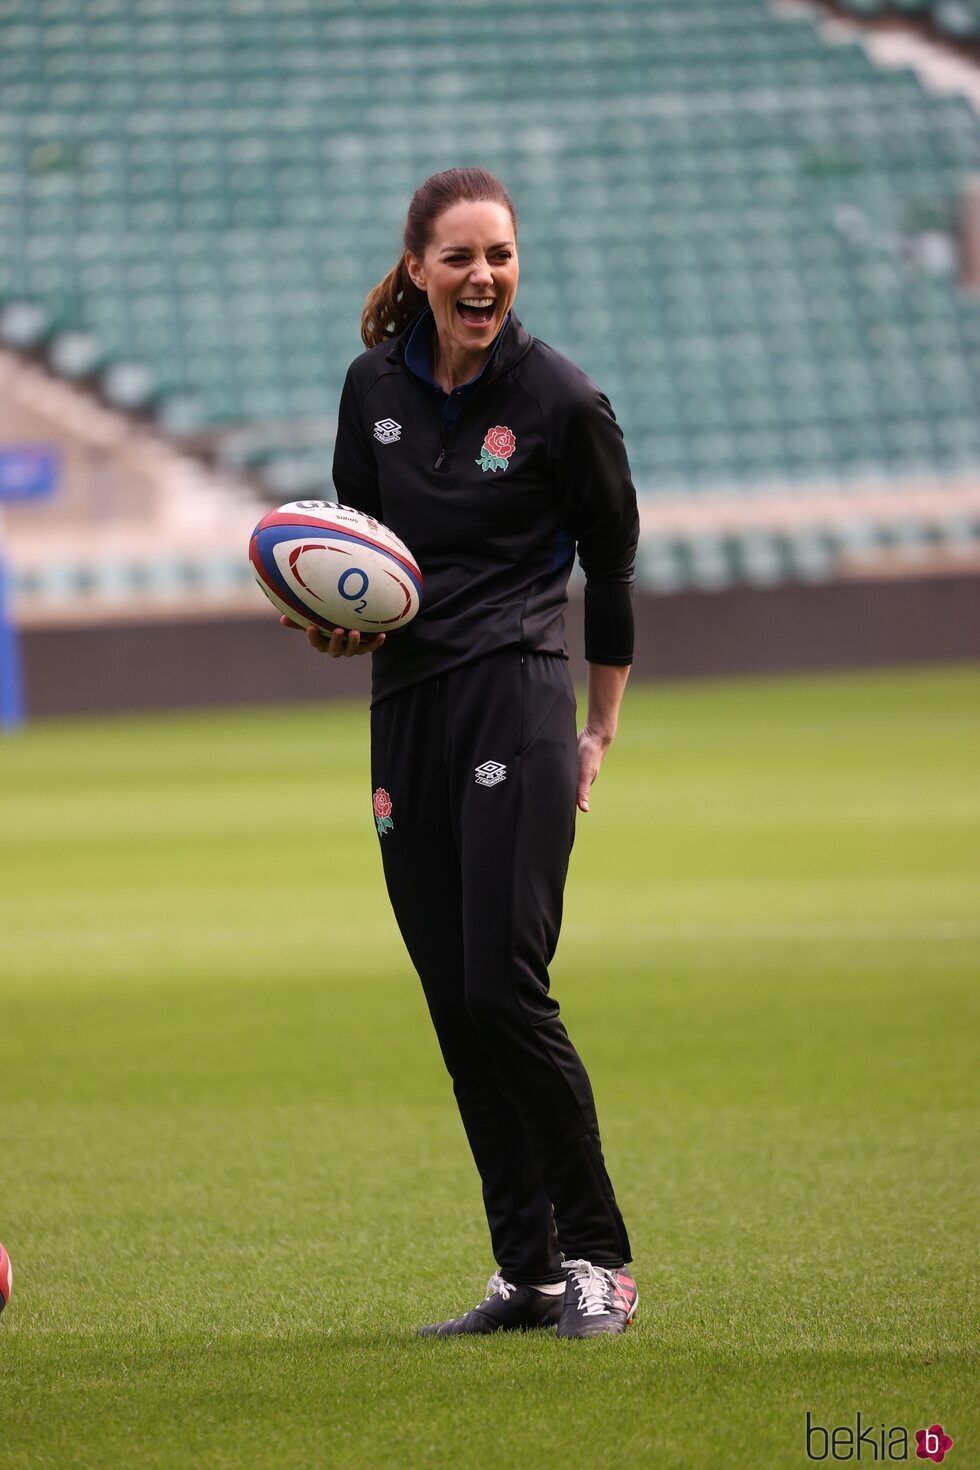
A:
<point x="549" y="700"/>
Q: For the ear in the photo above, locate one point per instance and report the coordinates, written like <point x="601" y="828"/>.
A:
<point x="415" y="272"/>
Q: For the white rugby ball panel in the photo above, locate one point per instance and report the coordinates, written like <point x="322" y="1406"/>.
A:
<point x="331" y="515"/>
<point x="344" y="580"/>
<point x="301" y="615"/>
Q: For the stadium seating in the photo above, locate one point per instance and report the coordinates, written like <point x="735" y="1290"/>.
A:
<point x="742" y="232"/>
<point x="957" y="19"/>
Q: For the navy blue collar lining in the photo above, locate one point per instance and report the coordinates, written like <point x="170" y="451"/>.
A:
<point x="416" y="354"/>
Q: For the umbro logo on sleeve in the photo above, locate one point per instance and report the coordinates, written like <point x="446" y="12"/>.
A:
<point x="387" y="431"/>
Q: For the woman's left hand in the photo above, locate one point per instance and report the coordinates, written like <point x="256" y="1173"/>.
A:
<point x="606" y="685"/>
<point x="591" y="752"/>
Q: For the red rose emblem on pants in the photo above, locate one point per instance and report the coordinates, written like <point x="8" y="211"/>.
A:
<point x="382" y="811"/>
<point x="382" y="803"/>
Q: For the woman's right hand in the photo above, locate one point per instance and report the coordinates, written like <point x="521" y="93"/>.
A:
<point x="340" y="644"/>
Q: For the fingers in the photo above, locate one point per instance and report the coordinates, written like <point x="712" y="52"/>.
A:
<point x="343" y="644"/>
<point x="372" y="644"/>
<point x="338" y="644"/>
<point x="319" y="640"/>
<point x="587" y="772"/>
<point x="590" y="757"/>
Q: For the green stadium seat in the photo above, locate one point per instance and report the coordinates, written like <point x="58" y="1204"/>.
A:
<point x="959" y="19"/>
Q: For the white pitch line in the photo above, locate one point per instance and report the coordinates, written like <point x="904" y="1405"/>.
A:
<point x="751" y="933"/>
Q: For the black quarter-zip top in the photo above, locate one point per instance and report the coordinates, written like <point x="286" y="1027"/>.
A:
<point x="493" y="505"/>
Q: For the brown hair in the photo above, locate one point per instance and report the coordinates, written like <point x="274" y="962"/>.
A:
<point x="393" y="302"/>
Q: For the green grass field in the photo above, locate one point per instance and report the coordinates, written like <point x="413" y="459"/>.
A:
<point x="234" y="1180"/>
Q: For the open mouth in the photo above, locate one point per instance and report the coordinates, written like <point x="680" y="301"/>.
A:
<point x="476" y="311"/>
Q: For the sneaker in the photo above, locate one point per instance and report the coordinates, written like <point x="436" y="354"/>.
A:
<point x="596" y="1300"/>
<point x="506" y="1308"/>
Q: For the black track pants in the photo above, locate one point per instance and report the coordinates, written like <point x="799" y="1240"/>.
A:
<point x="480" y="766"/>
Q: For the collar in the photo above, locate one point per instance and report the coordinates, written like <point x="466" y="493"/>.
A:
<point x="418" y="352"/>
<point x="509" y="347"/>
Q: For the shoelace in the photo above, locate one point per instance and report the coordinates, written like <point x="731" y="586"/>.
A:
<point x="594" y="1284"/>
<point x="497" y="1283"/>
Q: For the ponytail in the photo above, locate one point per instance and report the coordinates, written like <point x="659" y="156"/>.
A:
<point x="396" y="300"/>
<point x="390" y="306"/>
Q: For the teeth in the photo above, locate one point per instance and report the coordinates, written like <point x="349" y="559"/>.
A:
<point x="476" y="301"/>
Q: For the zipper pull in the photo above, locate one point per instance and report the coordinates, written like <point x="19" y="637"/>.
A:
<point x="438" y="463"/>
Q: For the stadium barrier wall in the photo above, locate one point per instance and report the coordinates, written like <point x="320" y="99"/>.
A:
<point x="201" y="662"/>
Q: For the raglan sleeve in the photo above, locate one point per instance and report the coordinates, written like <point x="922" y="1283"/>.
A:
<point x="600" y="508"/>
<point x="355" y="471"/>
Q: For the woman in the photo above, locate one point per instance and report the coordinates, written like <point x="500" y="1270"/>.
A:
<point x="492" y="456"/>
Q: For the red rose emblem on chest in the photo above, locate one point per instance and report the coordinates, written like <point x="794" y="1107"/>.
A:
<point x="501" y="442"/>
<point x="498" y="447"/>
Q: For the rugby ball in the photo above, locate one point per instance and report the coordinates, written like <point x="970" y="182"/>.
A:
<point x="6" y="1278"/>
<point x="335" y="567"/>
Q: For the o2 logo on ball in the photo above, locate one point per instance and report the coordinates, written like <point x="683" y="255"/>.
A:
<point x="352" y="584"/>
<point x="357" y="596"/>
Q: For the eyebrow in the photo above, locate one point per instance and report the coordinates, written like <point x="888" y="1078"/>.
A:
<point x="462" y="249"/>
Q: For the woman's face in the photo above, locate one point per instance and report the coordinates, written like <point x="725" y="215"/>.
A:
<point x="469" y="271"/>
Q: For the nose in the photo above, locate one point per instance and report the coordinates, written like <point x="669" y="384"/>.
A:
<point x="481" y="274"/>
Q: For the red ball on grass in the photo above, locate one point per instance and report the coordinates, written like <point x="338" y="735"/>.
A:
<point x="6" y="1278"/>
